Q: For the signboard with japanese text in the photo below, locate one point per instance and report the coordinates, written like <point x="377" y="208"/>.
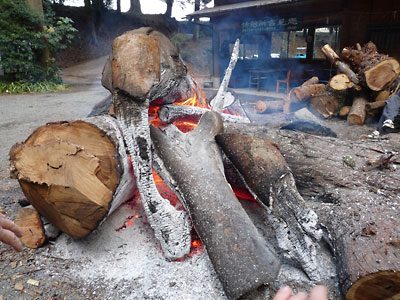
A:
<point x="271" y="24"/>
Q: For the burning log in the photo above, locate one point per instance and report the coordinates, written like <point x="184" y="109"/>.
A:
<point x="269" y="106"/>
<point x="172" y="113"/>
<point x="269" y="178"/>
<point x="340" y="66"/>
<point x="357" y="113"/>
<point x="241" y="258"/>
<point x="74" y="173"/>
<point x="361" y="225"/>
<point x="145" y="67"/>
<point x="376" y="70"/>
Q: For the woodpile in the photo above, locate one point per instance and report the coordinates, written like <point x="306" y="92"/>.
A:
<point x="365" y="80"/>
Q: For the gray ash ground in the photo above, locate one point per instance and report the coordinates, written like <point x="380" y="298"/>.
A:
<point x="108" y="264"/>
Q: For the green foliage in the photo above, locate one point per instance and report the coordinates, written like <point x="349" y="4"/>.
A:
<point x="24" y="37"/>
<point x="18" y="87"/>
<point x="179" y="40"/>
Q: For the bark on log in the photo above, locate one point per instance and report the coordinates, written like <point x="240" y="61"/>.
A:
<point x="344" y="111"/>
<point x="340" y="66"/>
<point x="269" y="106"/>
<point x="376" y="71"/>
<point x="269" y="178"/>
<point x="383" y="95"/>
<point x="357" y="112"/>
<point x="312" y="80"/>
<point x="374" y="105"/>
<point x="324" y="103"/>
<point x="358" y="208"/>
<point x="171" y="113"/>
<point x="241" y="257"/>
<point x="74" y="173"/>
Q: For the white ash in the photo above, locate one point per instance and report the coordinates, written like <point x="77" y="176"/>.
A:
<point x="130" y="263"/>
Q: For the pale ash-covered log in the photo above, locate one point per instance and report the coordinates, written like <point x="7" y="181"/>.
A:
<point x="145" y="67"/>
<point x="269" y="178"/>
<point x="74" y="173"/>
<point x="191" y="165"/>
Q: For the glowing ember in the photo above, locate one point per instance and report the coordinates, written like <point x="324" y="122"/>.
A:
<point x="243" y="193"/>
<point x="166" y="192"/>
<point x="129" y="222"/>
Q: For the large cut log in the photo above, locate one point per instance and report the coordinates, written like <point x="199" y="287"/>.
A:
<point x="74" y="173"/>
<point x="358" y="209"/>
<point x="376" y="71"/>
<point x="340" y="66"/>
<point x="268" y="176"/>
<point x="241" y="257"/>
<point x="357" y="113"/>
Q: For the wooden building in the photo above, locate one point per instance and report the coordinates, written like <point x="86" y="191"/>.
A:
<point x="281" y="35"/>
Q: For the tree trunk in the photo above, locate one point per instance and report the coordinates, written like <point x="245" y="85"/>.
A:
<point x="196" y="33"/>
<point x="119" y="6"/>
<point x="135" y="7"/>
<point x="90" y="14"/>
<point x="358" y="209"/>
<point x="168" y="12"/>
<point x="74" y="173"/>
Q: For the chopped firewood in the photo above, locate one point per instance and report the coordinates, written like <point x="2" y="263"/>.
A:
<point x="312" y="80"/>
<point x="28" y="219"/>
<point x="269" y="106"/>
<point x="340" y="82"/>
<point x="383" y="95"/>
<point x="74" y="173"/>
<point x="357" y="112"/>
<point x="324" y="104"/>
<point x="304" y="92"/>
<point x="344" y="111"/>
<point x="376" y="71"/>
<point x="375" y="105"/>
<point x="340" y="66"/>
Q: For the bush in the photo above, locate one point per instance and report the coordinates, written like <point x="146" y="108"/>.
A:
<point x="24" y="37"/>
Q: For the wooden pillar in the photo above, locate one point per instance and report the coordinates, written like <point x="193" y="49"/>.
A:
<point x="310" y="43"/>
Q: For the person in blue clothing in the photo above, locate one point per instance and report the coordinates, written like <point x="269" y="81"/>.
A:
<point x="390" y="119"/>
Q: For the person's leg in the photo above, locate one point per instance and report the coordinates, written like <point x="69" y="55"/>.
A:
<point x="389" y="113"/>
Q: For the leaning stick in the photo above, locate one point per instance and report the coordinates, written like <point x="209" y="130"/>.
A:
<point x="219" y="98"/>
<point x="172" y="113"/>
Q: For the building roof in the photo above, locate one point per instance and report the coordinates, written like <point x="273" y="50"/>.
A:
<point x="223" y="9"/>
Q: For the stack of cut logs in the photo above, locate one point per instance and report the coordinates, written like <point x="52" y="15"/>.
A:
<point x="364" y="82"/>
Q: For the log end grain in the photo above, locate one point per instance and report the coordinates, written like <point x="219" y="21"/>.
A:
<point x="382" y="75"/>
<point x="68" y="171"/>
<point x="380" y="285"/>
<point x="28" y="219"/>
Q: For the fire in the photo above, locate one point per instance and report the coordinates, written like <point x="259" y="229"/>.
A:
<point x="194" y="101"/>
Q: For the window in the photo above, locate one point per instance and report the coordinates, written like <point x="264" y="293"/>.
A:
<point x="289" y="44"/>
<point x="326" y="35"/>
<point x="279" y="44"/>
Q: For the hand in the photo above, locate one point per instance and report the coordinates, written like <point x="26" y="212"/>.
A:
<point x="10" y="233"/>
<point x="317" y="293"/>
